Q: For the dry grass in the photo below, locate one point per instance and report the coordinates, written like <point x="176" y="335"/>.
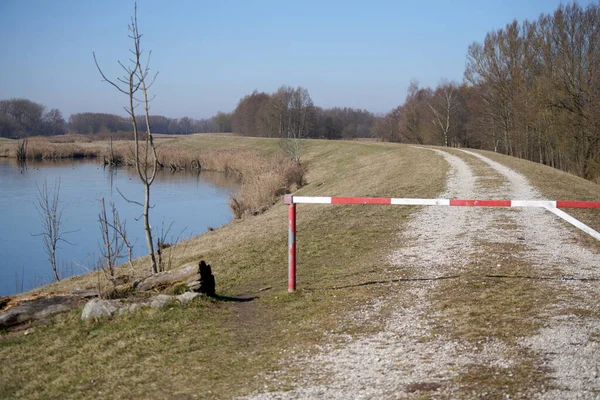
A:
<point x="220" y="346"/>
<point x="39" y="148"/>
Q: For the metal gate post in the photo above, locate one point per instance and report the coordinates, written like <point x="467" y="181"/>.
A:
<point x="291" y="243"/>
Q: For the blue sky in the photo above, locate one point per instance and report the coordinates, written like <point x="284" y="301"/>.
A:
<point x="348" y="53"/>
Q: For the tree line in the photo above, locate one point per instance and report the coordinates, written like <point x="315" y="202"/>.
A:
<point x="23" y="118"/>
<point x="290" y="112"/>
<point x="91" y="123"/>
<point x="530" y="90"/>
<point x="536" y="85"/>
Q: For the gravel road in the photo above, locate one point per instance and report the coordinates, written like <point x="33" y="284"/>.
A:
<point x="417" y="355"/>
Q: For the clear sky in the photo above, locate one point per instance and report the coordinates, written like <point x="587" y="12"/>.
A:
<point x="347" y="53"/>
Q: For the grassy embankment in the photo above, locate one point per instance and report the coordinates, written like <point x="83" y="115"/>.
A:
<point x="215" y="348"/>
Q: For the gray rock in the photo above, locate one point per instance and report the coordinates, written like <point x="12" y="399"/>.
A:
<point x="133" y="307"/>
<point x="98" y="308"/>
<point x="187" y="297"/>
<point x="161" y="300"/>
<point x="184" y="274"/>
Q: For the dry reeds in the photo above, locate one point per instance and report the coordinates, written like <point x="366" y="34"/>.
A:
<point x="264" y="179"/>
<point x="22" y="150"/>
<point x="43" y="150"/>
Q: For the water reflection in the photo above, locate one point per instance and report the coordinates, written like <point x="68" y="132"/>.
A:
<point x="192" y="202"/>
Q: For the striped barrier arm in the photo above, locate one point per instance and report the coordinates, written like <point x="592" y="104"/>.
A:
<point x="442" y="202"/>
<point x="551" y="205"/>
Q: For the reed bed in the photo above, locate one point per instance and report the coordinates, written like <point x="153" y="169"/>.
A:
<point x="37" y="149"/>
<point x="263" y="179"/>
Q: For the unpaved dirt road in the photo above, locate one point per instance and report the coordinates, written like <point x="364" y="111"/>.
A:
<point x="497" y="303"/>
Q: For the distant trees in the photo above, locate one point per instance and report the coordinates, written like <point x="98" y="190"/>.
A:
<point x="290" y="112"/>
<point x="342" y="123"/>
<point x="427" y="116"/>
<point x="221" y="121"/>
<point x="91" y="123"/>
<point x="250" y="116"/>
<point x="54" y="123"/>
<point x="387" y="127"/>
<point x="22" y="117"/>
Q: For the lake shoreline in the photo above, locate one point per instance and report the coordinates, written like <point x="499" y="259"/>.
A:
<point x="82" y="184"/>
<point x="262" y="178"/>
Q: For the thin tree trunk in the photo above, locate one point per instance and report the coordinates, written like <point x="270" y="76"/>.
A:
<point x="148" y="229"/>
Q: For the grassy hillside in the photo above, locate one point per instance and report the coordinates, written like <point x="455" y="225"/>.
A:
<point x="215" y="348"/>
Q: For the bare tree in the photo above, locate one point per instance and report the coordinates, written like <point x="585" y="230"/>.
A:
<point x="112" y="246"/>
<point x="134" y="83"/>
<point x="51" y="215"/>
<point x="293" y="112"/>
<point x="114" y="240"/>
<point x="443" y="105"/>
<point x="163" y="244"/>
<point x="386" y="127"/>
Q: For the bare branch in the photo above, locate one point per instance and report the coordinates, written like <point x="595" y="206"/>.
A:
<point x="105" y="79"/>
<point x="128" y="200"/>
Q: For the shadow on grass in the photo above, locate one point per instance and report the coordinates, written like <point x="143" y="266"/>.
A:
<point x="437" y="278"/>
<point x="440" y="278"/>
<point x="234" y="299"/>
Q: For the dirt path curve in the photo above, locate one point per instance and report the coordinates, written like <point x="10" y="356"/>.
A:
<point x="454" y="257"/>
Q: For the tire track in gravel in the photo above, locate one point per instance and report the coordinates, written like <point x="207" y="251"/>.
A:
<point x="419" y="352"/>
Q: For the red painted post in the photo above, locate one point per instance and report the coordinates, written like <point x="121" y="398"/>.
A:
<point x="291" y="243"/>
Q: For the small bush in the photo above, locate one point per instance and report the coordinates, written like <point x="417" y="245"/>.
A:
<point x="295" y="175"/>
<point x="266" y="183"/>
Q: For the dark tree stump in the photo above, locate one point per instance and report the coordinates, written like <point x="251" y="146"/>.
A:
<point x="207" y="280"/>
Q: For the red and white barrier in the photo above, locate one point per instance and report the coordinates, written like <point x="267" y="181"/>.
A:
<point x="550" y="205"/>
<point x="443" y="202"/>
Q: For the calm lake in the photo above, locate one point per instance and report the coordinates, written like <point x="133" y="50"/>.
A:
<point x="191" y="202"/>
